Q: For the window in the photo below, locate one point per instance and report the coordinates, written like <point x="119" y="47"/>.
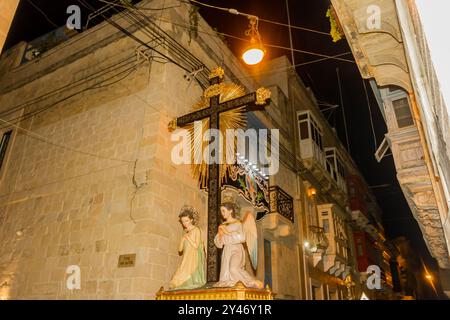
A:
<point x="267" y="263"/>
<point x="309" y="129"/>
<point x="4" y="146"/>
<point x="326" y="225"/>
<point x="304" y="134"/>
<point x="329" y="167"/>
<point x="335" y="164"/>
<point x="402" y="112"/>
<point x="340" y="168"/>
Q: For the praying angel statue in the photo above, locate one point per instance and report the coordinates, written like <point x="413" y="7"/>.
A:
<point x="231" y="236"/>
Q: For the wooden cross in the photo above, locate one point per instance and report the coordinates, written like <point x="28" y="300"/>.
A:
<point x="253" y="101"/>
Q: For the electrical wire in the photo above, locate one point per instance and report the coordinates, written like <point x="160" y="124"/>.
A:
<point x="43" y="109"/>
<point x="290" y="32"/>
<point x="234" y="11"/>
<point x="180" y="51"/>
<point x="324" y="56"/>
<point x="41" y="98"/>
<point x="265" y="44"/>
<point x="343" y="109"/>
<point x="143" y="8"/>
<point x="44" y="139"/>
<point x="245" y="40"/>
<point x="164" y="35"/>
<point x="96" y="86"/>
<point x="71" y="85"/>
<point x="43" y="13"/>
<point x="86" y="79"/>
<point x="370" y="116"/>
<point x="300" y="64"/>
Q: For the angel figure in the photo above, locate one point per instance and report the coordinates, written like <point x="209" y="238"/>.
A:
<point x="191" y="273"/>
<point x="231" y="236"/>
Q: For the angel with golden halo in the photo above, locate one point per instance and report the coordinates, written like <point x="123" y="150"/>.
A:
<point x="231" y="236"/>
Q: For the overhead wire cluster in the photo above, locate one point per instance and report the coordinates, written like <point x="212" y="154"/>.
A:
<point x="168" y="49"/>
<point x="98" y="79"/>
<point x="176" y="54"/>
<point x="133" y="8"/>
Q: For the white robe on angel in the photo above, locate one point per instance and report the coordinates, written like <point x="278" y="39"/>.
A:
<point x="233" y="258"/>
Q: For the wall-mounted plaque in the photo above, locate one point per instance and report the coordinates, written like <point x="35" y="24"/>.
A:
<point x="127" y="260"/>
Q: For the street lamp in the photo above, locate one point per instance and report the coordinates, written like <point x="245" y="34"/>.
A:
<point x="254" y="53"/>
<point x="312" y="192"/>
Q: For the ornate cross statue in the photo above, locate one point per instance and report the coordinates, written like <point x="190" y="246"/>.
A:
<point x="252" y="101"/>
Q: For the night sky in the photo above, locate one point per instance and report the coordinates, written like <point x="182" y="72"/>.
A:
<point x="321" y="77"/>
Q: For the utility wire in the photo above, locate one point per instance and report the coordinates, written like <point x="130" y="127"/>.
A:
<point x="188" y="26"/>
<point x="370" y="116"/>
<point x="43" y="13"/>
<point x="43" y="139"/>
<point x="343" y="109"/>
<point x="161" y="34"/>
<point x="290" y="32"/>
<point x="234" y="11"/>
<point x="324" y="56"/>
<point x="36" y="112"/>
<point x="71" y="85"/>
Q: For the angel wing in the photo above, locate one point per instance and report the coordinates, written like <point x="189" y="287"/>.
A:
<point x="251" y="235"/>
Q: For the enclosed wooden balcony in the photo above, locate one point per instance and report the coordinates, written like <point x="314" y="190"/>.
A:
<point x="311" y="144"/>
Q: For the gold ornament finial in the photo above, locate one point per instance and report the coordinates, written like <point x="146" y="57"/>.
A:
<point x="172" y="125"/>
<point x="262" y="95"/>
<point x="217" y="72"/>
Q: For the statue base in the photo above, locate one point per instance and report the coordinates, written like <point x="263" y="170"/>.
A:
<point x="238" y="292"/>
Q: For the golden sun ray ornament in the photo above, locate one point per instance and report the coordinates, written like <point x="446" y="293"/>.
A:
<point x="233" y="119"/>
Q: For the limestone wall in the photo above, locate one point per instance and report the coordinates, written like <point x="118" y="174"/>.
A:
<point x="7" y="12"/>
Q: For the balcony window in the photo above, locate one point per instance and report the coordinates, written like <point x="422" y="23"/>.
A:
<point x="326" y="225"/>
<point x="311" y="138"/>
<point x="402" y="112"/>
<point x="309" y="129"/>
<point x="397" y="107"/>
<point x="335" y="167"/>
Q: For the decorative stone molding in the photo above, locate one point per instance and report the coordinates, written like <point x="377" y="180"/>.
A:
<point x="415" y="182"/>
<point x="379" y="52"/>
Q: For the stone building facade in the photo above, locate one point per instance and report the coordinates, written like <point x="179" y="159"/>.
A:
<point x="394" y="55"/>
<point x="7" y="12"/>
<point x="87" y="176"/>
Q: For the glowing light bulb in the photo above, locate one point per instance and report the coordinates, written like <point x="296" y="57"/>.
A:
<point x="253" y="55"/>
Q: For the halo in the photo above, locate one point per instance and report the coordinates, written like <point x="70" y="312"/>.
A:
<point x="194" y="212"/>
